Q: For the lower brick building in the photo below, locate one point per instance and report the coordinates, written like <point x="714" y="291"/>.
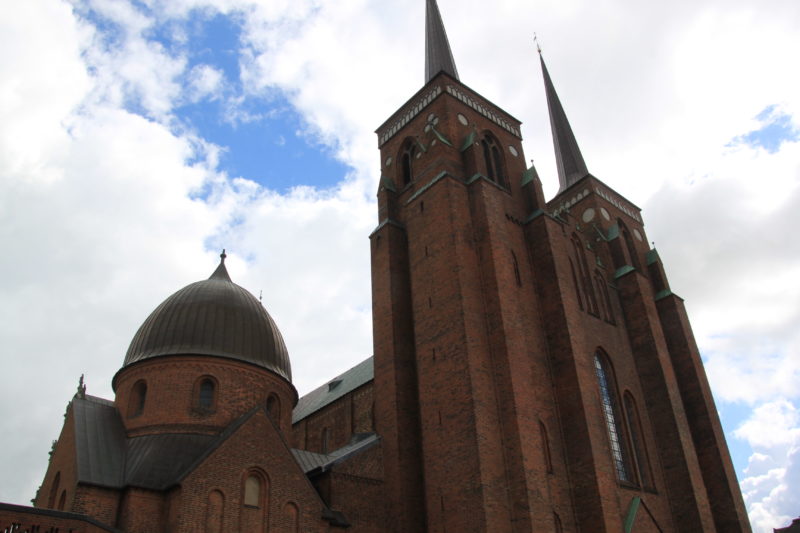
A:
<point x="532" y="370"/>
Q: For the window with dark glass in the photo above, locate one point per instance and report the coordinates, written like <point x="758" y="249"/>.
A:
<point x="611" y="413"/>
<point x="407" y="156"/>
<point x="205" y="398"/>
<point x="138" y="398"/>
<point x="583" y="272"/>
<point x="274" y="407"/>
<point x="493" y="159"/>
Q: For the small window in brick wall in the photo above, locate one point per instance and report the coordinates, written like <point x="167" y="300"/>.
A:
<point x="137" y="399"/>
<point x="252" y="491"/>
<point x="274" y="407"/>
<point x="206" y="395"/>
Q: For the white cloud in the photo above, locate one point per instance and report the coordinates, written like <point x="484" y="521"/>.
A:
<point x="100" y="203"/>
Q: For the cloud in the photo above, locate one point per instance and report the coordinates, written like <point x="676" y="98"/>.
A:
<point x="109" y="207"/>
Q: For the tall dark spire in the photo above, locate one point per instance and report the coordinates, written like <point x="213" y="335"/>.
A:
<point x="438" y="56"/>
<point x="571" y="166"/>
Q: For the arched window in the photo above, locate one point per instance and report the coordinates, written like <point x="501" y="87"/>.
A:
<point x="637" y="439"/>
<point x="138" y="398"/>
<point x="205" y="395"/>
<point x="493" y="158"/>
<point x="632" y="253"/>
<point x="252" y="491"/>
<point x="215" y="510"/>
<point x="292" y="517"/>
<point x="407" y="155"/>
<point x="274" y="407"/>
<point x="577" y="286"/>
<point x="603" y="297"/>
<point x="583" y="272"/>
<point x="51" y="500"/>
<point x="611" y="412"/>
<point x="324" y="440"/>
<point x="62" y="501"/>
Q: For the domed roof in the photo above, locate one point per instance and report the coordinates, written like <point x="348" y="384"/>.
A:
<point x="212" y="317"/>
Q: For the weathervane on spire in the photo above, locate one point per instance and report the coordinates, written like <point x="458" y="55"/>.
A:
<point x="223" y="255"/>
<point x="536" y="40"/>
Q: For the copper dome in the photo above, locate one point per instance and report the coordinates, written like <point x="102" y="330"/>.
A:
<point x="212" y="317"/>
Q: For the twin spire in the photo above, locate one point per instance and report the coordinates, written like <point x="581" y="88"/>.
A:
<point x="439" y="58"/>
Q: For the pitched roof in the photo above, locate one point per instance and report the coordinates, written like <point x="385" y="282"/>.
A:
<point x="438" y="56"/>
<point x="334" y="389"/>
<point x="312" y="462"/>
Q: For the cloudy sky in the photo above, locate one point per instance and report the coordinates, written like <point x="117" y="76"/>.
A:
<point x="139" y="137"/>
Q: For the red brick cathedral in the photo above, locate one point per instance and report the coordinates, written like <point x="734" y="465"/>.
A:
<point x="532" y="370"/>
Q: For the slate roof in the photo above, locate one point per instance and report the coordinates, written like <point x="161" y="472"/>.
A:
<point x="107" y="458"/>
<point x="334" y="389"/>
<point x="212" y="317"/>
<point x="312" y="462"/>
<point x="438" y="56"/>
<point x="571" y="166"/>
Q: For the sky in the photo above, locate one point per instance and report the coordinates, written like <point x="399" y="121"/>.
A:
<point x="140" y="137"/>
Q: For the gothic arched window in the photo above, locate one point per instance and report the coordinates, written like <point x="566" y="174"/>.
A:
<point x="583" y="272"/>
<point x="407" y="156"/>
<point x="205" y="397"/>
<point x="252" y="490"/>
<point x="632" y="253"/>
<point x="611" y="412"/>
<point x="274" y="407"/>
<point x="637" y="439"/>
<point x="493" y="158"/>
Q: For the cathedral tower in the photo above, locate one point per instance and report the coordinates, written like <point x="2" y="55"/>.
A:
<point x="536" y="372"/>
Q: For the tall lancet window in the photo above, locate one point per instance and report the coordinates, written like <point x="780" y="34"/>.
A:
<point x="407" y="156"/>
<point x="493" y="158"/>
<point x="608" y="396"/>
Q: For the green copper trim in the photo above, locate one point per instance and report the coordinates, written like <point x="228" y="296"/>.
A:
<point x="427" y="186"/>
<point x="528" y="176"/>
<point x="441" y="137"/>
<point x="652" y="257"/>
<point x="663" y="294"/>
<point x="600" y="232"/>
<point x="387" y="183"/>
<point x="469" y="140"/>
<point x="613" y="232"/>
<point x="387" y="222"/>
<point x="631" y="517"/>
<point x="536" y="214"/>
<point x="476" y="177"/>
<point x="621" y="271"/>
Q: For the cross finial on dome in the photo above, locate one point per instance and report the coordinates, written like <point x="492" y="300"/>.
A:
<point x="221" y="272"/>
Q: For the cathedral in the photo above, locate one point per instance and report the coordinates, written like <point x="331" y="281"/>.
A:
<point x="532" y="370"/>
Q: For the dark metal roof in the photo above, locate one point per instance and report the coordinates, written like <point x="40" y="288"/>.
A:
<point x="334" y="389"/>
<point x="438" y="56"/>
<point x="569" y="160"/>
<point x="99" y="442"/>
<point x="107" y="458"/>
<point x="212" y="317"/>
<point x="312" y="462"/>
<point x="52" y="513"/>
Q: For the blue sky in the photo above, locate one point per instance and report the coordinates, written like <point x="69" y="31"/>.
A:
<point x="139" y="137"/>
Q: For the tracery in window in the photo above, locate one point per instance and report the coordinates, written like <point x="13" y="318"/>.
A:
<point x="583" y="272"/>
<point x="611" y="412"/>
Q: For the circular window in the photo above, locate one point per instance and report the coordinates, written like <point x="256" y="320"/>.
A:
<point x="605" y="213"/>
<point x="513" y="151"/>
<point x="588" y="215"/>
<point x="462" y="119"/>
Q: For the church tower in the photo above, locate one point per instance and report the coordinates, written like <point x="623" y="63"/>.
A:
<point x="535" y="372"/>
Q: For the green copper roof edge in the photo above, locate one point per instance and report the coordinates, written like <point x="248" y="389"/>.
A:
<point x="476" y="177"/>
<point x="468" y="140"/>
<point x="536" y="214"/>
<point x="613" y="232"/>
<point x="527" y="177"/>
<point x="663" y="294"/>
<point x="631" y="516"/>
<point x="387" y="183"/>
<point x="441" y="137"/>
<point x="387" y="222"/>
<point x="600" y="232"/>
<point x="652" y="257"/>
<point x="427" y="186"/>
<point x="621" y="271"/>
